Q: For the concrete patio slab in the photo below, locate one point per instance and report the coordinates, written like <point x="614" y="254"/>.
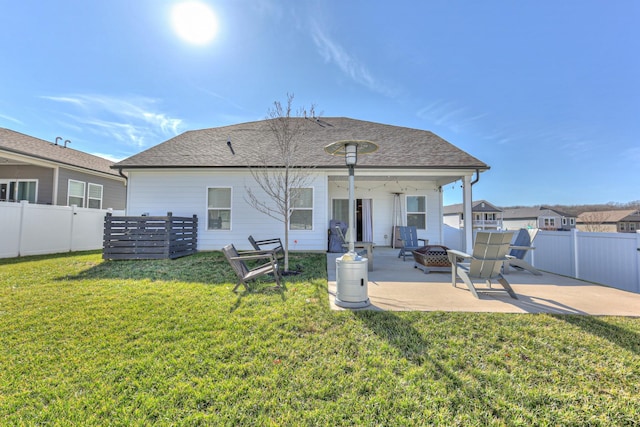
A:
<point x="395" y="285"/>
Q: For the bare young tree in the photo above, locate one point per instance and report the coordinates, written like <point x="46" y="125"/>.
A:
<point x="594" y="221"/>
<point x="282" y="185"/>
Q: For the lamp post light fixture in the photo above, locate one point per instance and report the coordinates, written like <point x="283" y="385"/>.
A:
<point x="351" y="292"/>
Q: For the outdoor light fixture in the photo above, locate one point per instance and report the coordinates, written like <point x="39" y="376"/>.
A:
<point x="351" y="154"/>
<point x="351" y="269"/>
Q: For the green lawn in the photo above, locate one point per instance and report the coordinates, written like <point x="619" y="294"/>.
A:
<point x="87" y="342"/>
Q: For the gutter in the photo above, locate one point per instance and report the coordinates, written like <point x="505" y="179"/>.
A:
<point x="126" y="179"/>
<point x="475" y="181"/>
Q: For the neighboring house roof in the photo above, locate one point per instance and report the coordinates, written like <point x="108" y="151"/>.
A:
<point x="25" y="145"/>
<point x="607" y="216"/>
<point x="477" y="206"/>
<point x="253" y="145"/>
<point x="632" y="218"/>
<point x="531" y="213"/>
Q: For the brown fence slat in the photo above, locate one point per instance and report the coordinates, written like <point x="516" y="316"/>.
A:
<point x="149" y="237"/>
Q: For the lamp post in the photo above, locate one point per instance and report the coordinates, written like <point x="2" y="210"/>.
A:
<point x="351" y="269"/>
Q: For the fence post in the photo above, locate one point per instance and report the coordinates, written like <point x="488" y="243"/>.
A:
<point x="73" y="214"/>
<point x="637" y="261"/>
<point x="23" y="206"/>
<point x="574" y="249"/>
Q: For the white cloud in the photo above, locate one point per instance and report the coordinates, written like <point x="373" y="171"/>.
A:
<point x="133" y="120"/>
<point x="109" y="157"/>
<point x="11" y="119"/>
<point x="332" y="52"/>
<point x="448" y="114"/>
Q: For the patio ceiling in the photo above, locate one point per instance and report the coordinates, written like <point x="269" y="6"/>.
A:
<point x="392" y="178"/>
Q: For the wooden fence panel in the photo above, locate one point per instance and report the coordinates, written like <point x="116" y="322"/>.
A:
<point x="149" y="237"/>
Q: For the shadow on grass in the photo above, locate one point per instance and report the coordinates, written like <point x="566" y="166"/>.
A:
<point x="202" y="267"/>
<point x="404" y="337"/>
<point x="35" y="258"/>
<point x="615" y="334"/>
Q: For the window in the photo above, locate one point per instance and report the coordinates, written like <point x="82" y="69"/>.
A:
<point x="632" y="226"/>
<point x="622" y="227"/>
<point x="341" y="210"/>
<point x="417" y="212"/>
<point x="301" y="209"/>
<point x="219" y="209"/>
<point x="549" y="222"/>
<point x="564" y="221"/>
<point x="572" y="221"/>
<point x="94" y="196"/>
<point x="76" y="193"/>
<point x="15" y="191"/>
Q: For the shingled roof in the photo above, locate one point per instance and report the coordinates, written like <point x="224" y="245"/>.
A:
<point x="477" y="206"/>
<point x="18" y="143"/>
<point x="611" y="216"/>
<point x="398" y="147"/>
<point x="532" y="213"/>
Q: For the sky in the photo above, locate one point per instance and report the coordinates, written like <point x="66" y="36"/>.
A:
<point x="546" y="92"/>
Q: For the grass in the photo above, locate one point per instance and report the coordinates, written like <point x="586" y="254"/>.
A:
<point x="87" y="342"/>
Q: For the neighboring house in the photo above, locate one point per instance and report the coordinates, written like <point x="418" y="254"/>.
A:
<point x="206" y="172"/>
<point x="623" y="221"/>
<point x="52" y="173"/>
<point x="485" y="216"/>
<point x="537" y="217"/>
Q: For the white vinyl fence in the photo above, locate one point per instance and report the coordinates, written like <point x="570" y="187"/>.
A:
<point x="611" y="259"/>
<point x="453" y="237"/>
<point x="29" y="229"/>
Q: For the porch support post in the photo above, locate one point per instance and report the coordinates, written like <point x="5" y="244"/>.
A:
<point x="468" y="216"/>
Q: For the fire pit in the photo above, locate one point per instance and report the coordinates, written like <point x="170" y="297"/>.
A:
<point x="431" y="258"/>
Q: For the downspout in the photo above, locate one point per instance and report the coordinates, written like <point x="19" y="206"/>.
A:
<point x="471" y="184"/>
<point x="126" y="197"/>
<point x="475" y="181"/>
<point x="126" y="179"/>
<point x="468" y="213"/>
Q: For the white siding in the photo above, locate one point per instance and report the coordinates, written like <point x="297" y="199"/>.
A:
<point x="184" y="193"/>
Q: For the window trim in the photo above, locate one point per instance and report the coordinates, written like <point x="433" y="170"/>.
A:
<point x="549" y="221"/>
<point x="84" y="191"/>
<point x="406" y="204"/>
<point x="89" y="198"/>
<point x="230" y="208"/>
<point x="16" y="185"/>
<point x="311" y="209"/>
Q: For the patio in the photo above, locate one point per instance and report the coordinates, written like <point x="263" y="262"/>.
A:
<point x="395" y="285"/>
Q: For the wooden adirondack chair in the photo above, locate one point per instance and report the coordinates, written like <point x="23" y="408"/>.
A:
<point x="489" y="253"/>
<point x="244" y="273"/>
<point x="410" y="241"/>
<point x="517" y="251"/>
<point x="274" y="245"/>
